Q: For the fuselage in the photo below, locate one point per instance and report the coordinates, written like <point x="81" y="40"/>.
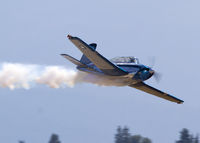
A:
<point x="135" y="72"/>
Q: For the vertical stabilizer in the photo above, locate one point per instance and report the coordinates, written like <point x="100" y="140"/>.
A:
<point x="84" y="59"/>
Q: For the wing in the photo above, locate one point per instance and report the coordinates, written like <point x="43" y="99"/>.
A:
<point x="97" y="59"/>
<point x="151" y="90"/>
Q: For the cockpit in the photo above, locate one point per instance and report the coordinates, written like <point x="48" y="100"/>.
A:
<point x="125" y="60"/>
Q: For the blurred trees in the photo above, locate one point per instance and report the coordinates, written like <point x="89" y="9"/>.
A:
<point x="123" y="136"/>
<point x="139" y="139"/>
<point x="54" y="139"/>
<point x="186" y="137"/>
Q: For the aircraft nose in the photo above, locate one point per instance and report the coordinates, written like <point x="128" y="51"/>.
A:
<point x="151" y="72"/>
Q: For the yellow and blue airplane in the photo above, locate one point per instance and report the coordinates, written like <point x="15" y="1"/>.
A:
<point x="126" y="70"/>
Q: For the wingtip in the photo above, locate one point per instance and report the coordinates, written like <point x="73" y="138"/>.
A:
<point x="69" y="36"/>
<point x="180" y="102"/>
<point x="62" y="54"/>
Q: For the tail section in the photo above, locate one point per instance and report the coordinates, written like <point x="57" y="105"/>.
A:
<point x="106" y="66"/>
<point x="84" y="59"/>
<point x="73" y="60"/>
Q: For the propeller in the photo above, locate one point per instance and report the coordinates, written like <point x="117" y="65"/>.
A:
<point x="157" y="76"/>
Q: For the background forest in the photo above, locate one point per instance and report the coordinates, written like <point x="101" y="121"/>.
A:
<point x="123" y="135"/>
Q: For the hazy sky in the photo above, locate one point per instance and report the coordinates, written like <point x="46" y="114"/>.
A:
<point x="34" y="32"/>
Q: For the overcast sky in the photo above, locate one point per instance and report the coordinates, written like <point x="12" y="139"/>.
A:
<point x="34" y="32"/>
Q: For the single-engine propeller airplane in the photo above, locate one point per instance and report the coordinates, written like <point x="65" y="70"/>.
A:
<point x="127" y="70"/>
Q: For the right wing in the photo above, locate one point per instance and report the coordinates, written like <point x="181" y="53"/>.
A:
<point x="151" y="90"/>
<point x="97" y="59"/>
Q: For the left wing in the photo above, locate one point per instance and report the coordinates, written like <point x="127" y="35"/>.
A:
<point x="97" y="59"/>
<point x="146" y="88"/>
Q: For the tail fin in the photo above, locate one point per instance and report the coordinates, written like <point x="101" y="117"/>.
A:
<point x="84" y="59"/>
<point x="73" y="60"/>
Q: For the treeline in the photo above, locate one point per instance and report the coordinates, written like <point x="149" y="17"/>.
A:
<point x="186" y="137"/>
<point x="123" y="135"/>
<point x="53" y="139"/>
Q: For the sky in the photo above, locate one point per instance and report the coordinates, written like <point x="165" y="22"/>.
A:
<point x="34" y="32"/>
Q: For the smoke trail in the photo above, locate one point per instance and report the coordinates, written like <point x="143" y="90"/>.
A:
<point x="16" y="75"/>
<point x="55" y="77"/>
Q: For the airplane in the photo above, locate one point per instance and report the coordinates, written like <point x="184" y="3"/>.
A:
<point x="127" y="70"/>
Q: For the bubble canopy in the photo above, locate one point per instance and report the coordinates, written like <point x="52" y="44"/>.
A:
<point x="130" y="59"/>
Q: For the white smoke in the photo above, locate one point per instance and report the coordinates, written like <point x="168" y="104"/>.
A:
<point x="15" y="75"/>
<point x="55" y="77"/>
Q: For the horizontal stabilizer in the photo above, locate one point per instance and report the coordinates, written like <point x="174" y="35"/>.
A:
<point x="73" y="60"/>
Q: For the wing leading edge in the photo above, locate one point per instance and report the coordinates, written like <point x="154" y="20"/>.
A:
<point x="151" y="90"/>
<point x="97" y="59"/>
